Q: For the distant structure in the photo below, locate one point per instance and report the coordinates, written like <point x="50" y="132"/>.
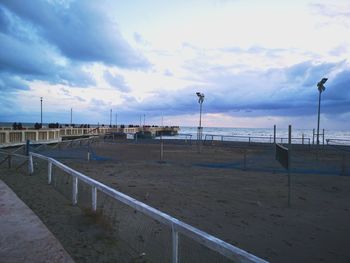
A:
<point x="13" y="136"/>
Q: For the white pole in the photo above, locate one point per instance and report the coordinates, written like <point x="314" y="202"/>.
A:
<point x="75" y="190"/>
<point x="30" y="165"/>
<point x="175" y="239"/>
<point x="94" y="198"/>
<point x="49" y="172"/>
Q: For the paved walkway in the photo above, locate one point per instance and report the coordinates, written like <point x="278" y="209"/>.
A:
<point x="23" y="237"/>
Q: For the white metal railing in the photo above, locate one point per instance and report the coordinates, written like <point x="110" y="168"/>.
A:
<point x="177" y="226"/>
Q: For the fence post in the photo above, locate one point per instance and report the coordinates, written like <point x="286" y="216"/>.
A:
<point x="313" y="136"/>
<point x="302" y="139"/>
<point x="175" y="239"/>
<point x="49" y="172"/>
<point x="94" y="198"/>
<point x="30" y="164"/>
<point x="75" y="190"/>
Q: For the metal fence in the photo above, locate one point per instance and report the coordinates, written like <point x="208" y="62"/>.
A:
<point x="254" y="139"/>
<point x="157" y="237"/>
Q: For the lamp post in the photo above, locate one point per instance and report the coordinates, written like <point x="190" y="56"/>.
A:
<point x="200" y="101"/>
<point x="41" y="111"/>
<point x="321" y="88"/>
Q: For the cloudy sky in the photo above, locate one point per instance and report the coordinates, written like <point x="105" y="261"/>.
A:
<point x="257" y="62"/>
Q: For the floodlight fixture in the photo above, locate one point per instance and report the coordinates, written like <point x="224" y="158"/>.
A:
<point x="200" y="97"/>
<point x="320" y="84"/>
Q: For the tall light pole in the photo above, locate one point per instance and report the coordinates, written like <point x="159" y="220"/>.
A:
<point x="41" y="111"/>
<point x="71" y="116"/>
<point x="321" y="88"/>
<point x="200" y="101"/>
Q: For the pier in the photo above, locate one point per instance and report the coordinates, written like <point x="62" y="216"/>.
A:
<point x="10" y="137"/>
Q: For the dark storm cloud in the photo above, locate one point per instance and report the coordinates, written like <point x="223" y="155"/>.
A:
<point x="80" y="30"/>
<point x="52" y="40"/>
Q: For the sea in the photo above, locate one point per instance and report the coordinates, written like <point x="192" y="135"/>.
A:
<point x="266" y="134"/>
<point x="250" y="134"/>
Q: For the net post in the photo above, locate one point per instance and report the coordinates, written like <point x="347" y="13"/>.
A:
<point x="175" y="244"/>
<point x="49" y="172"/>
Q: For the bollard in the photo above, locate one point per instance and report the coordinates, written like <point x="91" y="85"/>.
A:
<point x="88" y="156"/>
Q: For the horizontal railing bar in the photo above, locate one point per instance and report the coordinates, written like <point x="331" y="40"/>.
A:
<point x="203" y="238"/>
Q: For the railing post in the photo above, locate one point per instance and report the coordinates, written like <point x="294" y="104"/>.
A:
<point x="175" y="243"/>
<point x="30" y="164"/>
<point x="75" y="190"/>
<point x="94" y="198"/>
<point x="49" y="172"/>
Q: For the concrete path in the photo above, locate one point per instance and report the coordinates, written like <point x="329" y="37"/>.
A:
<point x="23" y="237"/>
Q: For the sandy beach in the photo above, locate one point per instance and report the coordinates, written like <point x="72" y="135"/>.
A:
<point x="246" y="208"/>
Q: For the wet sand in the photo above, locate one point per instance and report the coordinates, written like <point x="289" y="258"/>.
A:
<point x="245" y="208"/>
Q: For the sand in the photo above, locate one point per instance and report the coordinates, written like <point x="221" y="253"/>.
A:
<point x="247" y="208"/>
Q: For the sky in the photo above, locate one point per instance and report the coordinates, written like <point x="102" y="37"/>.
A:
<point x="257" y="62"/>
